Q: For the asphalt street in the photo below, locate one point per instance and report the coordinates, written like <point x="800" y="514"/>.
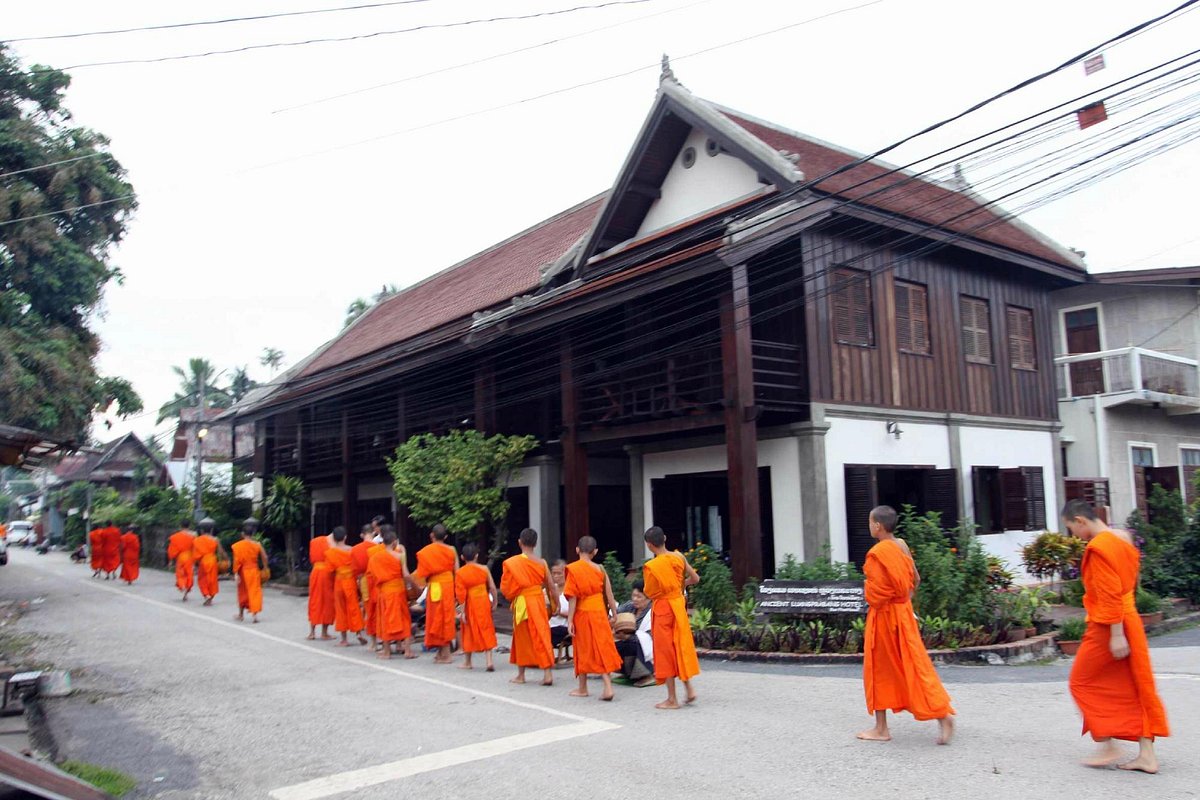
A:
<point x="195" y="705"/>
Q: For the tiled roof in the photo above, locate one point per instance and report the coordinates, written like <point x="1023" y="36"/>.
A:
<point x="497" y="274"/>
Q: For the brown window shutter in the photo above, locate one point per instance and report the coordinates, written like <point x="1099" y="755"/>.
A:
<point x="1035" y="498"/>
<point x="903" y="293"/>
<point x="919" y="309"/>
<point x="1013" y="508"/>
<point x="851" y="301"/>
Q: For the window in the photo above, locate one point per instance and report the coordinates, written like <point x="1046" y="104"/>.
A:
<point x="853" y="317"/>
<point x="976" y="330"/>
<point x="1021" y="352"/>
<point x="1142" y="456"/>
<point x="1009" y="499"/>
<point x="912" y="318"/>
<point x="1189" y="465"/>
<point x="1141" y="459"/>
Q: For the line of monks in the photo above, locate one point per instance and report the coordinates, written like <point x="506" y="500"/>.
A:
<point x="1111" y="681"/>
<point x="366" y="590"/>
<point x="112" y="550"/>
<point x="200" y="559"/>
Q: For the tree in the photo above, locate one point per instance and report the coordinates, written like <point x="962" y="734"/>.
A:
<point x="271" y="358"/>
<point x="64" y="202"/>
<point x="460" y="480"/>
<point x="240" y="384"/>
<point x="188" y="395"/>
<point x="355" y="310"/>
<point x="286" y="509"/>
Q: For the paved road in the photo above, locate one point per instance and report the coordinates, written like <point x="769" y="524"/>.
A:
<point x="195" y="705"/>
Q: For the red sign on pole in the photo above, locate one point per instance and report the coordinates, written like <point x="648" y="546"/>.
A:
<point x="1091" y="115"/>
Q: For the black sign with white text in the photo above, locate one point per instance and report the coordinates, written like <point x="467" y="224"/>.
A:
<point x="810" y="598"/>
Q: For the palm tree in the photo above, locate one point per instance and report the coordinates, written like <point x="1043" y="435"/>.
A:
<point x="356" y="310"/>
<point x="188" y="395"/>
<point x="286" y="508"/>
<point x="271" y="358"/>
<point x="240" y="384"/>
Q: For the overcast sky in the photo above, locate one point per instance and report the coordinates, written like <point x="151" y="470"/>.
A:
<point x="266" y="207"/>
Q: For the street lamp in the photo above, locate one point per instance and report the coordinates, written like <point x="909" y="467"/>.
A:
<point x="198" y="502"/>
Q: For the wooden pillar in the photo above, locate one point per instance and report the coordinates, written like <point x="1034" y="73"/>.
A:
<point x="401" y="417"/>
<point x="741" y="429"/>
<point x="300" y="448"/>
<point x="485" y="399"/>
<point x="574" y="465"/>
<point x="349" y="484"/>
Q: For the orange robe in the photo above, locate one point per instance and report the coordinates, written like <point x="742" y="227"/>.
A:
<point x="321" y="609"/>
<point x="94" y="545"/>
<point x="131" y="556"/>
<point x="595" y="649"/>
<point x="371" y="605"/>
<point x="1118" y="699"/>
<point x="897" y="672"/>
<point x="204" y="550"/>
<point x="435" y="563"/>
<point x="471" y="590"/>
<point x="522" y="584"/>
<point x="179" y="550"/>
<point x="347" y="616"/>
<point x="246" y="564"/>
<point x="360" y="555"/>
<point x="393" y="622"/>
<point x="670" y="629"/>
<point x="110" y="549"/>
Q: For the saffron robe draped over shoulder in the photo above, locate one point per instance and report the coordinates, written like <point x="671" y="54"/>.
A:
<point x="897" y="672"/>
<point x="246" y="565"/>
<point x="131" y="556"/>
<point x="1117" y="698"/>
<point x="671" y="630"/>
<point x="593" y="644"/>
<point x="204" y="550"/>
<point x="96" y="546"/>
<point x="393" y="621"/>
<point x="179" y="550"/>
<point x="321" y="609"/>
<point x="347" y="616"/>
<point x="435" y="563"/>
<point x="110" y="549"/>
<point x="522" y="584"/>
<point x="371" y="602"/>
<point x="478" y="628"/>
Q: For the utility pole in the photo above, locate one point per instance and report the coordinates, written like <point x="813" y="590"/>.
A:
<point x="198" y="503"/>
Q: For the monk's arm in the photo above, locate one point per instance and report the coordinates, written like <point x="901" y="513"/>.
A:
<point x="571" y="615"/>
<point x="551" y="589"/>
<point x="1104" y="585"/>
<point x="262" y="557"/>
<point x="608" y="596"/>
<point x="690" y="577"/>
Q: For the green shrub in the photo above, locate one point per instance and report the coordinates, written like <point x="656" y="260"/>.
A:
<point x="999" y="575"/>
<point x="1072" y="629"/>
<point x="1166" y="569"/>
<point x="1147" y="602"/>
<point x="1072" y="593"/>
<point x="821" y="568"/>
<point x="120" y="514"/>
<point x="715" y="590"/>
<point x="1052" y="554"/>
<point x="622" y="590"/>
<point x="954" y="569"/>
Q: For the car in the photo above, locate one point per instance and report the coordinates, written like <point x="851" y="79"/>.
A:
<point x="20" y="532"/>
<point x="3" y="552"/>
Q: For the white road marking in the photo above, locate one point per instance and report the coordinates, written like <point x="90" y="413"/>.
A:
<point x="1182" y="676"/>
<point x="382" y="773"/>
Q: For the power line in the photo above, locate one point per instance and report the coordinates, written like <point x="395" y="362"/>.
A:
<point x="96" y="154"/>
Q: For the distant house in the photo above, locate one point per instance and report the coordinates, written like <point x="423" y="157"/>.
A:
<point x="1127" y="346"/>
<point x="119" y="464"/>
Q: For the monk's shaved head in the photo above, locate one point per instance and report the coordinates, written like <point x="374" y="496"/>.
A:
<point x="655" y="536"/>
<point x="528" y="537"/>
<point x="885" y="516"/>
<point x="388" y="533"/>
<point x="470" y="551"/>
<point x="587" y="544"/>
<point x="339" y="534"/>
<point x="439" y="532"/>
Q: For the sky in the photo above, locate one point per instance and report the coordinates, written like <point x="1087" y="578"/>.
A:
<point x="277" y="185"/>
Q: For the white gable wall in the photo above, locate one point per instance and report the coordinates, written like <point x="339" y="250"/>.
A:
<point x="712" y="181"/>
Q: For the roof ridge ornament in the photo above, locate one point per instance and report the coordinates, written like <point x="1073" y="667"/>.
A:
<point x="667" y="74"/>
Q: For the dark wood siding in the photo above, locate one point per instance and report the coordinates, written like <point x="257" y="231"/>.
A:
<point x="883" y="375"/>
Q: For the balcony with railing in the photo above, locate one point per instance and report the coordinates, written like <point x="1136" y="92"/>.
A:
<point x="1131" y="375"/>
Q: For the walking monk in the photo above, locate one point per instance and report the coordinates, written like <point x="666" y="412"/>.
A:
<point x="347" y="615"/>
<point x="321" y="610"/>
<point x="476" y="593"/>
<point x="436" y="563"/>
<point x="179" y="550"/>
<point x="592" y="607"/>
<point x="666" y="575"/>
<point x="388" y="568"/>
<point x="248" y="556"/>
<point x="110" y="551"/>
<point x="95" y="545"/>
<point x="205" y="550"/>
<point x="1112" y="681"/>
<point x="131" y="555"/>
<point x="897" y="672"/>
<point x="360" y="556"/>
<point x="523" y="581"/>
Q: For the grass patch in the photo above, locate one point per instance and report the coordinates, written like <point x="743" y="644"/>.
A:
<point x="118" y="784"/>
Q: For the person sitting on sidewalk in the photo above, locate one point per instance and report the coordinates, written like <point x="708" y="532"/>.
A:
<point x="637" y="647"/>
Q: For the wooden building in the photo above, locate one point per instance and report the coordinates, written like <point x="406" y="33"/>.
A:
<point x="751" y="340"/>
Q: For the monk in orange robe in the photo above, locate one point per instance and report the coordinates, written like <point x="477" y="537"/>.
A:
<point x="96" y="548"/>
<point x="321" y="609"/>
<point x="897" y="671"/>
<point x="131" y="555"/>
<point x="476" y="594"/>
<point x="666" y="575"/>
<point x="179" y="550"/>
<point x="388" y="568"/>
<point x="526" y="583"/>
<point x="589" y="619"/>
<point x="360" y="555"/>
<point x="347" y="615"/>
<point x="110" y="551"/>
<point x="249" y="562"/>
<point x="1112" y="680"/>
<point x="436" y="563"/>
<point x="207" y="550"/>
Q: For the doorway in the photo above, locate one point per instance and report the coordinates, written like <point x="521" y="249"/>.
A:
<point x="695" y="508"/>
<point x="923" y="488"/>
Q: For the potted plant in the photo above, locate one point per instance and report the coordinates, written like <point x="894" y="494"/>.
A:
<point x="1149" y="606"/>
<point x="1070" y="634"/>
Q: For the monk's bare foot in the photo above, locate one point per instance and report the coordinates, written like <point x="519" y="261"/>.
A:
<point x="1106" y="756"/>
<point x="440" y="660"/>
<point x="606" y="697"/>
<point x="384" y="654"/>
<point x="517" y="680"/>
<point x="945" y="730"/>
<point x="326" y="638"/>
<point x="239" y="618"/>
<point x="310" y="637"/>
<point x="875" y="735"/>
<point x="465" y="666"/>
<point x="362" y="640"/>
<point x="549" y="682"/>
<point x="491" y="668"/>
<point x="411" y="656"/>
<point x="1143" y="763"/>
<point x="667" y="705"/>
<point x="691" y="698"/>
<point x="339" y="644"/>
<point x="577" y="693"/>
<point x="255" y="620"/>
<point x="207" y="602"/>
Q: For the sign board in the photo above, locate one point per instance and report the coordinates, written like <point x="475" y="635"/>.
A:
<point x="810" y="598"/>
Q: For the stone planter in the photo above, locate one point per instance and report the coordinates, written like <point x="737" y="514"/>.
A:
<point x="1069" y="648"/>
<point x="1151" y="619"/>
<point x="1015" y="635"/>
<point x="1031" y="632"/>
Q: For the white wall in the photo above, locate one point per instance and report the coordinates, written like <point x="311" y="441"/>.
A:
<point x="1078" y="417"/>
<point x="781" y="455"/>
<point x="529" y="478"/>
<point x="711" y="182"/>
<point x="860" y="441"/>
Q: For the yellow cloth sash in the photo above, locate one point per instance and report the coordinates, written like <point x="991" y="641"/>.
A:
<point x="593" y="602"/>
<point x="322" y="566"/>
<point x="345" y="572"/>
<point x="435" y="585"/>
<point x="478" y="591"/>
<point x="394" y="585"/>
<point x="520" y="606"/>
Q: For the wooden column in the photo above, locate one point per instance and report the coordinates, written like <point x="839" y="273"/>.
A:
<point x="300" y="446"/>
<point x="741" y="429"/>
<point x="574" y="465"/>
<point x="485" y="399"/>
<point x="349" y="484"/>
